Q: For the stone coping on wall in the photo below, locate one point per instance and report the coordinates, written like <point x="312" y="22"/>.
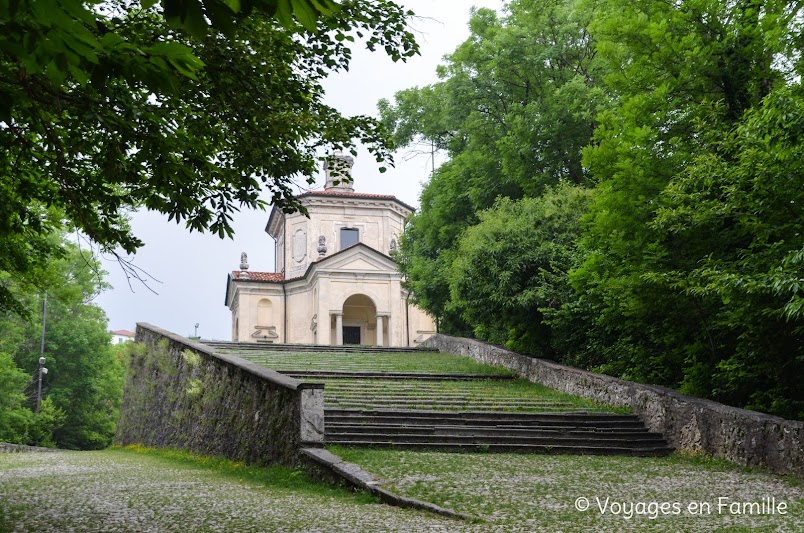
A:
<point x="7" y="447"/>
<point x="259" y="371"/>
<point x="692" y="425"/>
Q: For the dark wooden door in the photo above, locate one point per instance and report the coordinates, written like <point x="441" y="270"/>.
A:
<point x="351" y="334"/>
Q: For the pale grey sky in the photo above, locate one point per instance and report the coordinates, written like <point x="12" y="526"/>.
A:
<point x="192" y="268"/>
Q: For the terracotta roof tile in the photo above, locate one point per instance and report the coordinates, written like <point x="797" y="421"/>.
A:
<point x="336" y="192"/>
<point x="347" y="194"/>
<point x="123" y="333"/>
<point x="259" y="276"/>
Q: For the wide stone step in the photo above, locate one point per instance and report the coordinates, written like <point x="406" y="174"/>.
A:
<point x="443" y="401"/>
<point x="495" y="408"/>
<point x="468" y="407"/>
<point x="262" y="347"/>
<point x="578" y="432"/>
<point x="425" y="417"/>
<point x="647" y="451"/>
<point x="434" y="396"/>
<point x="420" y="389"/>
<point x="454" y="438"/>
<point x="393" y="386"/>
<point x="366" y="374"/>
<point x="449" y="406"/>
<point x="493" y="423"/>
<point x="490" y="424"/>
<point x="641" y="434"/>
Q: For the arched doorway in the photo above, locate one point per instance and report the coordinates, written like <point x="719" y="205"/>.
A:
<point x="359" y="320"/>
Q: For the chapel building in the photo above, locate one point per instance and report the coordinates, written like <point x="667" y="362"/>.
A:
<point x="334" y="281"/>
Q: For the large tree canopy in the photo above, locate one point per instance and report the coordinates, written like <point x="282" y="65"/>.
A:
<point x="694" y="231"/>
<point x="510" y="270"/>
<point x="515" y="106"/>
<point x="112" y="106"/>
<point x="83" y="387"/>
<point x="685" y="118"/>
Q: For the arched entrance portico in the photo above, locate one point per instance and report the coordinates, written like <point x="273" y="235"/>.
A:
<point x="358" y="322"/>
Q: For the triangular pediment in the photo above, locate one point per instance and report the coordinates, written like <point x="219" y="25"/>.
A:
<point x="358" y="258"/>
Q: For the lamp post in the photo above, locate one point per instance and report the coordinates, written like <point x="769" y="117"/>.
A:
<point x="42" y="370"/>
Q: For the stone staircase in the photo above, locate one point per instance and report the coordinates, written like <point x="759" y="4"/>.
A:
<point x="580" y="433"/>
<point x="439" y="393"/>
<point x="409" y="412"/>
<point x="370" y="402"/>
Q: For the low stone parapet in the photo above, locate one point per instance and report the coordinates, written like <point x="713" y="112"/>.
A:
<point x="691" y="425"/>
<point x="7" y="447"/>
<point x="182" y="394"/>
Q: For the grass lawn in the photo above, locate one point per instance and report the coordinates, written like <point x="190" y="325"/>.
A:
<point x="539" y="492"/>
<point x="430" y="362"/>
<point x="517" y="389"/>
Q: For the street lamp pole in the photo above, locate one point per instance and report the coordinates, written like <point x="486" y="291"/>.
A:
<point x="42" y="370"/>
<point x="41" y="355"/>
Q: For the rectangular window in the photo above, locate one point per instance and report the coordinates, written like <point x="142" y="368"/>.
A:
<point x="349" y="237"/>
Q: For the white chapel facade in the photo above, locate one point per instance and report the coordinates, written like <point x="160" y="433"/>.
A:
<point x="335" y="281"/>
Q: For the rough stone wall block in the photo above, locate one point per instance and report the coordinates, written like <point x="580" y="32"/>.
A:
<point x="691" y="425"/>
<point x="181" y="394"/>
<point x="312" y="412"/>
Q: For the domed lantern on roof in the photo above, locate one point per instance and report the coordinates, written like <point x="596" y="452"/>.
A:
<point x="338" y="169"/>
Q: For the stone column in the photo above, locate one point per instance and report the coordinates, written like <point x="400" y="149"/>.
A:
<point x="338" y="329"/>
<point x="379" y="330"/>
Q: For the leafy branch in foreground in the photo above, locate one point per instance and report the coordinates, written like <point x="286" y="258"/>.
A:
<point x="113" y="106"/>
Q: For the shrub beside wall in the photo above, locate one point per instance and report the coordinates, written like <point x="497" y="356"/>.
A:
<point x="691" y="425"/>
<point x="181" y="394"/>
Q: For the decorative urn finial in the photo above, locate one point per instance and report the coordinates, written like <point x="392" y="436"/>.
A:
<point x="322" y="246"/>
<point x="243" y="266"/>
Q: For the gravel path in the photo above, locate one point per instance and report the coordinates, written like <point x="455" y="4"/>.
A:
<point x="113" y="491"/>
<point x="527" y="493"/>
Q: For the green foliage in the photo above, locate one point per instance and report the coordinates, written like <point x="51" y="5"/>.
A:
<point x="45" y="424"/>
<point x="18" y="423"/>
<point x="511" y="268"/>
<point x="83" y="386"/>
<point x="107" y="107"/>
<point x="14" y="415"/>
<point x="746" y="191"/>
<point x="693" y="235"/>
<point x="516" y="104"/>
<point x="687" y="269"/>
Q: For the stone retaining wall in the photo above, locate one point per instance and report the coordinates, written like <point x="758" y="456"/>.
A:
<point x="181" y="394"/>
<point x="6" y="447"/>
<point x="691" y="425"/>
